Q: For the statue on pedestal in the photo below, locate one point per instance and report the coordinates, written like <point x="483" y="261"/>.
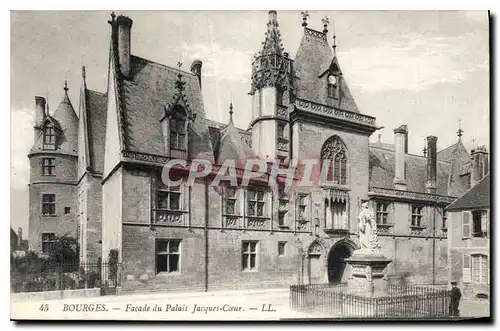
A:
<point x="367" y="229"/>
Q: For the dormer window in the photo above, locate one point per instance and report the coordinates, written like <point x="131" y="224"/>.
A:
<point x="49" y="138"/>
<point x="332" y="87"/>
<point x="178" y="128"/>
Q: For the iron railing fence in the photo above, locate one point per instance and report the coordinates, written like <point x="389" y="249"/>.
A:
<point x="400" y="301"/>
<point x="38" y="277"/>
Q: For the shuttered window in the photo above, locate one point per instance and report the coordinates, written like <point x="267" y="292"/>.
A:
<point x="466" y="269"/>
<point x="466" y="224"/>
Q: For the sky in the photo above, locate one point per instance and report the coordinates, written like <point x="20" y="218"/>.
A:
<point x="426" y="69"/>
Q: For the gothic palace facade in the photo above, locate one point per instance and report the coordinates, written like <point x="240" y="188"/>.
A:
<point x="97" y="176"/>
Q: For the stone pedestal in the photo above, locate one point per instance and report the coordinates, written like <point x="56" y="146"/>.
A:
<point x="368" y="273"/>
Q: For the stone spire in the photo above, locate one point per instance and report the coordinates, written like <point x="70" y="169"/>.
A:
<point x="271" y="66"/>
<point x="272" y="44"/>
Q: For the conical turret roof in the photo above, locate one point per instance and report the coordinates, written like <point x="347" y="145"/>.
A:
<point x="66" y="116"/>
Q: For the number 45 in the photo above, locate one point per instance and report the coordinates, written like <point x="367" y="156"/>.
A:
<point x="44" y="307"/>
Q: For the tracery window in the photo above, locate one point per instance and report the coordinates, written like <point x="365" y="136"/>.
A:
<point x="335" y="152"/>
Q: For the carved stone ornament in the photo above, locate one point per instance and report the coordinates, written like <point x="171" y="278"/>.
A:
<point x="315" y="249"/>
<point x="332" y="148"/>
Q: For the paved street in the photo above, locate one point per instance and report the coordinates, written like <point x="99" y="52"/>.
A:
<point x="224" y="305"/>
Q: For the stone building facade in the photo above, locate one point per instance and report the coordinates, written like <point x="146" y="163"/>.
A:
<point x="199" y="236"/>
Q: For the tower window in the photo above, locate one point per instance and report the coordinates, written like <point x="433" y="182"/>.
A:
<point x="48" y="204"/>
<point x="48" y="166"/>
<point x="48" y="242"/>
<point x="49" y="137"/>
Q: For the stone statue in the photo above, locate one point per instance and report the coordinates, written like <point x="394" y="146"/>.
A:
<point x="367" y="229"/>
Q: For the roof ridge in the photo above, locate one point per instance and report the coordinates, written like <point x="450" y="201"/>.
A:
<point x="409" y="154"/>
<point x="175" y="70"/>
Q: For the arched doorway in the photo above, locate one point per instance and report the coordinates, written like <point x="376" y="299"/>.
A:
<point x="337" y="271"/>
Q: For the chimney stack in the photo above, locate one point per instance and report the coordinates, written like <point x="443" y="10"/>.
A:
<point x="124" y="26"/>
<point x="480" y="166"/>
<point x="39" y="116"/>
<point x="19" y="236"/>
<point x="431" y="184"/>
<point x="39" y="109"/>
<point x="400" y="145"/>
<point x="196" y="69"/>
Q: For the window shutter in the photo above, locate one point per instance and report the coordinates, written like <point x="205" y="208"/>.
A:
<point x="466" y="268"/>
<point x="409" y="214"/>
<point x="466" y="224"/>
<point x="484" y="221"/>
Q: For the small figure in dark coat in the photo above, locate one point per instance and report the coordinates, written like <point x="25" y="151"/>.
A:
<point x="455" y="299"/>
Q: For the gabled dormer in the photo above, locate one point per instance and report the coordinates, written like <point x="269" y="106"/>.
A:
<point x="51" y="133"/>
<point x="176" y="122"/>
<point x="319" y="74"/>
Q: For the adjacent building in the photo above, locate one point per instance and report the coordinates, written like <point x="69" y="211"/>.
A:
<point x="469" y="237"/>
<point x="106" y="166"/>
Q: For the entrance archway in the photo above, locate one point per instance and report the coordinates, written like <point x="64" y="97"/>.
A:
<point x="337" y="271"/>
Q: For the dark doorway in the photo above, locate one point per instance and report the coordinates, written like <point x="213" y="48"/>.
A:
<point x="336" y="262"/>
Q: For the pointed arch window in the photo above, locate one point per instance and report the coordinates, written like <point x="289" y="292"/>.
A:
<point x="334" y="156"/>
<point x="178" y="128"/>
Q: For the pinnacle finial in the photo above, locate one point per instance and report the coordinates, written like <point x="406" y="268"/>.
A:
<point x="460" y="131"/>
<point x="325" y="20"/>
<point x="231" y="113"/>
<point x="334" y="40"/>
<point x="112" y="18"/>
<point x="425" y="151"/>
<point x="65" y="86"/>
<point x="305" y="15"/>
<point x="272" y="15"/>
<point x="83" y="72"/>
<point x="179" y="84"/>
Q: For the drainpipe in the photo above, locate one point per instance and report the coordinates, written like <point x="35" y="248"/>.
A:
<point x="206" y="235"/>
<point x="434" y="244"/>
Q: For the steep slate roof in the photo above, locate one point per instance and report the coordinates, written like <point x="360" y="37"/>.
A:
<point x="312" y="62"/>
<point x="232" y="146"/>
<point x="383" y="145"/>
<point x="381" y="171"/>
<point x="66" y="116"/>
<point x="475" y="198"/>
<point x="457" y="155"/>
<point x="453" y="152"/>
<point x="145" y="94"/>
<point x="215" y="129"/>
<point x="96" y="126"/>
